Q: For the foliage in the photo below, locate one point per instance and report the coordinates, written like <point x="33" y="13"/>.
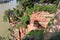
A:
<point x="17" y="16"/>
<point x="24" y="19"/>
<point x="34" y="35"/>
<point x="36" y="7"/>
<point x="22" y="22"/>
<point x="26" y="3"/>
<point x="29" y="7"/>
<point x="28" y="11"/>
<point x="14" y="14"/>
<point x="49" y="8"/>
<point x="5" y="18"/>
<point x="7" y="15"/>
<point x="17" y="12"/>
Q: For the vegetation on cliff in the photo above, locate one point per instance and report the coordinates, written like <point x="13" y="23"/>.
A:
<point x="20" y="17"/>
<point x="28" y="8"/>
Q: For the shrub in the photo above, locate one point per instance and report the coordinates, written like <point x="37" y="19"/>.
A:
<point x="34" y="35"/>
<point x="52" y="8"/>
<point x="28" y="11"/>
<point x="49" y="8"/>
<point x="24" y="19"/>
<point x="37" y="7"/>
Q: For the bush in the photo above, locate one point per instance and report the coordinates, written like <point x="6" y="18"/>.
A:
<point x="34" y="35"/>
<point x="28" y="11"/>
<point x="49" y="8"/>
<point x="24" y="19"/>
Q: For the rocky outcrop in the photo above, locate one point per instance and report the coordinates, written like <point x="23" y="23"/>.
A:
<point x="36" y="19"/>
<point x="41" y="18"/>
